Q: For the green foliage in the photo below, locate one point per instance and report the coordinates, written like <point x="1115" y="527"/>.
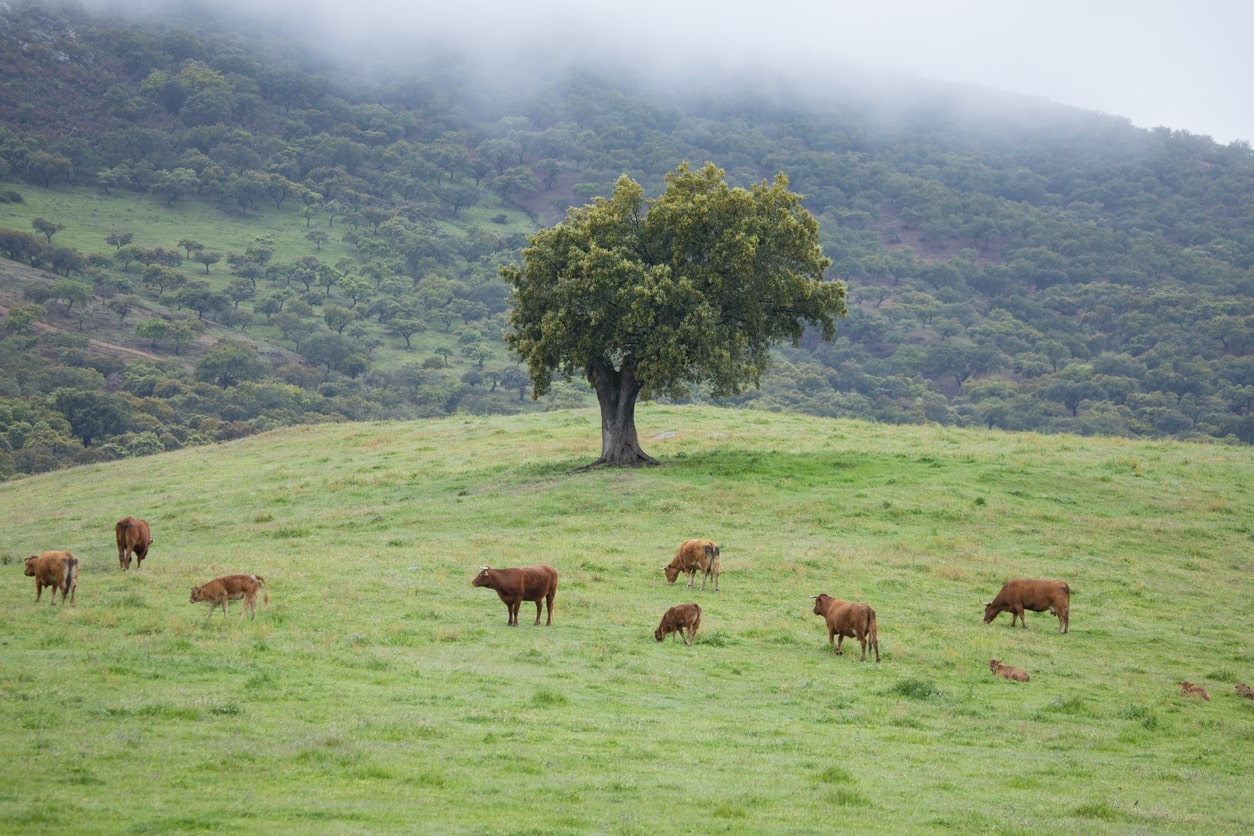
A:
<point x="995" y="266"/>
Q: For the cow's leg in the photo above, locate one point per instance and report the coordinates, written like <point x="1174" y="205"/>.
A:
<point x="688" y="634"/>
<point x="840" y="640"/>
<point x="862" y="639"/>
<point x="548" y="603"/>
<point x="539" y="605"/>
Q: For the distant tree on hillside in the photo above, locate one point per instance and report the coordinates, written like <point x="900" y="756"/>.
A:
<point x="653" y="298"/>
<point x="229" y="362"/>
<point x="46" y="228"/>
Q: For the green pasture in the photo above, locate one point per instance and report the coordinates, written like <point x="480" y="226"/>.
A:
<point x="380" y="692"/>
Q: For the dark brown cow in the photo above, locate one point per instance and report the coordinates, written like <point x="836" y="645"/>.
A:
<point x="1035" y="595"/>
<point x="535" y="583"/>
<point x="1245" y="691"/>
<point x="683" y="619"/>
<point x="1008" y="671"/>
<point x="134" y="538"/>
<point x="57" y="569"/>
<point x="1188" y="689"/>
<point x="231" y="588"/>
<point x="695" y="556"/>
<point x="855" y="620"/>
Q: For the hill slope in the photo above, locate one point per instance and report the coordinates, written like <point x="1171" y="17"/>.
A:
<point x="380" y="677"/>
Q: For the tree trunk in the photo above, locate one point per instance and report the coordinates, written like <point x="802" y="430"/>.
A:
<point x="617" y="391"/>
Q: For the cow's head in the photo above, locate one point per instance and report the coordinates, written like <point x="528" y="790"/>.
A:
<point x="30" y="564"/>
<point x="484" y="578"/>
<point x="990" y="611"/>
<point x="659" y="634"/>
<point x="198" y="595"/>
<point x="820" y="603"/>
<point x="671" y="572"/>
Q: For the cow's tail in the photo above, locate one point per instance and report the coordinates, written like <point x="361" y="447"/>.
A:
<point x="873" y="632"/>
<point x="71" y="572"/>
<point x="265" y="593"/>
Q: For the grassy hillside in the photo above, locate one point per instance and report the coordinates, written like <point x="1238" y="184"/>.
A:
<point x="380" y="691"/>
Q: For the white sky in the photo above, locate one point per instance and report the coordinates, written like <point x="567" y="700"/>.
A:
<point x="1185" y="64"/>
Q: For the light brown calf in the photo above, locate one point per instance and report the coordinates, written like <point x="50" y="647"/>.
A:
<point x="683" y="619"/>
<point x="1188" y="689"/>
<point x="695" y="556"/>
<point x="231" y="588"/>
<point x="1008" y="671"/>
<point x="1245" y="691"/>
<point x="57" y="569"/>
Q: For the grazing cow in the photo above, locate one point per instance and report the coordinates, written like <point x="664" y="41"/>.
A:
<point x="695" y="556"/>
<point x="855" y="620"/>
<point x="1035" y="595"/>
<point x="134" y="538"/>
<point x="534" y="583"/>
<point x="683" y="619"/>
<point x="1008" y="671"/>
<point x="57" y="569"/>
<point x="231" y="588"/>
<point x="1188" y="689"/>
<point x="1245" y="691"/>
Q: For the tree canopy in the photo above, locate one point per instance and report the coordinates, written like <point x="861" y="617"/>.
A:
<point x="654" y="298"/>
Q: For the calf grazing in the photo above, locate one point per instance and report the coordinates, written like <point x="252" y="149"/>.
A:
<point x="57" y="569"/>
<point x="1188" y="689"/>
<point x="231" y="588"/>
<point x="1035" y="595"/>
<point x="683" y="619"/>
<point x="695" y="556"/>
<point x="855" y="620"/>
<point x="1008" y="671"/>
<point x="134" y="538"/>
<point x="534" y="583"/>
<point x="1245" y="691"/>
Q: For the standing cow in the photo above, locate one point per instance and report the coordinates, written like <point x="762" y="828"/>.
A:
<point x="1035" y="595"/>
<point x="134" y="538"/>
<point x="855" y="620"/>
<point x="57" y="569"/>
<point x="684" y="619"/>
<point x="695" y="556"/>
<point x="232" y="588"/>
<point x="534" y="583"/>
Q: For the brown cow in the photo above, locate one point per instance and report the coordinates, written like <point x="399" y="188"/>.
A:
<point x="695" y="556"/>
<point x="1035" y="595"/>
<point x="683" y="619"/>
<point x="231" y="588"/>
<point x="57" y="569"/>
<point x="1245" y="691"/>
<point x="1008" y="671"/>
<point x="535" y="583"/>
<point x="855" y="620"/>
<point x="1188" y="689"/>
<point x="134" y="538"/>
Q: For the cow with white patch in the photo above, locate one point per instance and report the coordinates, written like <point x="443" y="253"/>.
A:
<point x="57" y="569"/>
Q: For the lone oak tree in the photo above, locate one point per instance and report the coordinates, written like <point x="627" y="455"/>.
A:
<point x="647" y="298"/>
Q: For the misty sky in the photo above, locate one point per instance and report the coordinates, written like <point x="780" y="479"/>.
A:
<point x="1185" y="64"/>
